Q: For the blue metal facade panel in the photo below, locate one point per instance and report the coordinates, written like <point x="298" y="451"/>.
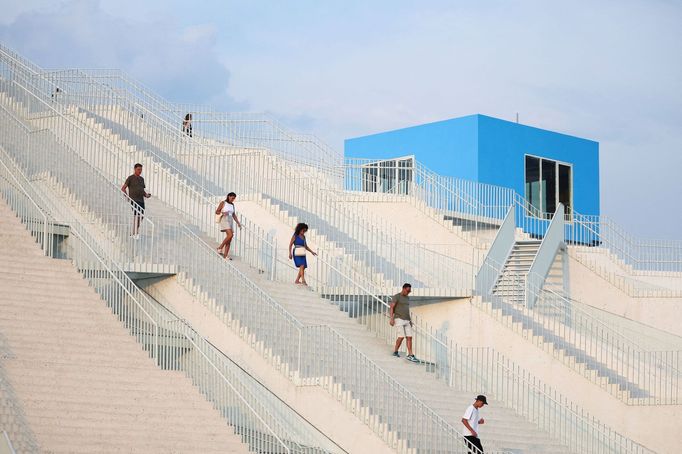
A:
<point x="488" y="150"/>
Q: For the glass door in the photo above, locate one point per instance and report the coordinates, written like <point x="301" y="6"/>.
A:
<point x="548" y="183"/>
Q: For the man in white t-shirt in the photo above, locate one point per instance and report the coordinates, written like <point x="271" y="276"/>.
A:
<point x="471" y="421"/>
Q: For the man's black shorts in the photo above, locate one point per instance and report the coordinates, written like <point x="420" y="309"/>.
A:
<point x="138" y="206"/>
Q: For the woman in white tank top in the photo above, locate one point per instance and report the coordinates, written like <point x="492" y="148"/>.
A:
<point x="227" y="219"/>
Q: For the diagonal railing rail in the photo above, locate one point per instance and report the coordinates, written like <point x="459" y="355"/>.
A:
<point x="339" y="221"/>
<point x="255" y="417"/>
<point x="588" y="432"/>
<point x="441" y="434"/>
<point x="635" y="374"/>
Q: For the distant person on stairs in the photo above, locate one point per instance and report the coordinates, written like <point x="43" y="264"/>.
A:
<point x="187" y="124"/>
<point x="228" y="215"/>
<point x="298" y="247"/>
<point x="471" y="421"/>
<point x="400" y="319"/>
<point x="136" y="191"/>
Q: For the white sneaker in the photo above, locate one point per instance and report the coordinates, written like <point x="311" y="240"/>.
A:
<point x="136" y="236"/>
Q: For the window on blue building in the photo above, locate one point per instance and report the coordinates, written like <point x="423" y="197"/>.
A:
<point x="548" y="183"/>
<point x="392" y="176"/>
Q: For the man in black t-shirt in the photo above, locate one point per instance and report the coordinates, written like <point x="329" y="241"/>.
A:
<point x="135" y="186"/>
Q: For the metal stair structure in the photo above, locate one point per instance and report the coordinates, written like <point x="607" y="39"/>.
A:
<point x="263" y="318"/>
<point x="511" y="283"/>
<point x="569" y="333"/>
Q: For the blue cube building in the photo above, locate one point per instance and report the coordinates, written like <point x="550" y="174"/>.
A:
<point x="545" y="167"/>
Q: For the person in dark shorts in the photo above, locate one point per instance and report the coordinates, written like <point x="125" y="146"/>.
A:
<point x="135" y="186"/>
<point x="471" y="420"/>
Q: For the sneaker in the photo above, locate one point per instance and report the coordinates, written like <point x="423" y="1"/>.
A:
<point x="136" y="236"/>
<point x="396" y="354"/>
<point x="412" y="359"/>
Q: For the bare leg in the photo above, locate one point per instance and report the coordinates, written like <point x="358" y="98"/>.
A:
<point x="226" y="243"/>
<point x="302" y="273"/>
<point x="409" y="345"/>
<point x="299" y="275"/>
<point x="136" y="223"/>
<point x="228" y="240"/>
<point x="398" y="342"/>
<point x="221" y="246"/>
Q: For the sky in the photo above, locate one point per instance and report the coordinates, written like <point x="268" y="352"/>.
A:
<point x="610" y="71"/>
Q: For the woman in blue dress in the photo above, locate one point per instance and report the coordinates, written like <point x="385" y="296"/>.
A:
<point x="297" y="251"/>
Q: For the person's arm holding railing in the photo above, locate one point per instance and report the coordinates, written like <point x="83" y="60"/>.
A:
<point x="305" y="244"/>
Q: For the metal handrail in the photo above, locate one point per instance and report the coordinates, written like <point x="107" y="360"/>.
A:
<point x="329" y="202"/>
<point x="87" y="242"/>
<point x="229" y="384"/>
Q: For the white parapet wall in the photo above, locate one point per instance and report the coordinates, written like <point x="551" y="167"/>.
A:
<point x="590" y="288"/>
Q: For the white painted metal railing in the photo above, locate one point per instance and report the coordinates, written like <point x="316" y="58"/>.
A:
<point x="585" y="435"/>
<point x="242" y="130"/>
<point x="544" y="258"/>
<point x="475" y="204"/>
<point x="270" y="323"/>
<point x="6" y="446"/>
<point x="263" y="421"/>
<point x="636" y="255"/>
<point x="287" y="186"/>
<point x="471" y="206"/>
<point x="636" y="375"/>
<point x="474" y="368"/>
<point x="498" y="252"/>
<point x="249" y="308"/>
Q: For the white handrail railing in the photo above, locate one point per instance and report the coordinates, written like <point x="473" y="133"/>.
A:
<point x="636" y="375"/>
<point x="93" y="264"/>
<point x="544" y="258"/>
<point x="595" y="428"/>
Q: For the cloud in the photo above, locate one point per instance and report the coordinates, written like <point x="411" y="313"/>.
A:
<point x="606" y="71"/>
<point x="179" y="62"/>
<point x="603" y="70"/>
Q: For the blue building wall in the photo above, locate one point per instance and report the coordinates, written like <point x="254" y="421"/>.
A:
<point x="448" y="147"/>
<point x="502" y="146"/>
<point x="488" y="150"/>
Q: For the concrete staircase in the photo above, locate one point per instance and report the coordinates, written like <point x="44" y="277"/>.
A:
<point x="548" y="324"/>
<point x="510" y="283"/>
<point x="508" y="436"/>
<point x="83" y="382"/>
<point x="321" y="230"/>
<point x="504" y="429"/>
<point x="151" y="154"/>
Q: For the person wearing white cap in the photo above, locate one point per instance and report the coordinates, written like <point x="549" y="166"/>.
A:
<point x="471" y="420"/>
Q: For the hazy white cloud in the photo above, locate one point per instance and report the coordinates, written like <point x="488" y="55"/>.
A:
<point x="179" y="61"/>
<point x="609" y="71"/>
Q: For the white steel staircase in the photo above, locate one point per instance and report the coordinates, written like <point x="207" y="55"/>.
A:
<point x="511" y="283"/>
<point x="253" y="312"/>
